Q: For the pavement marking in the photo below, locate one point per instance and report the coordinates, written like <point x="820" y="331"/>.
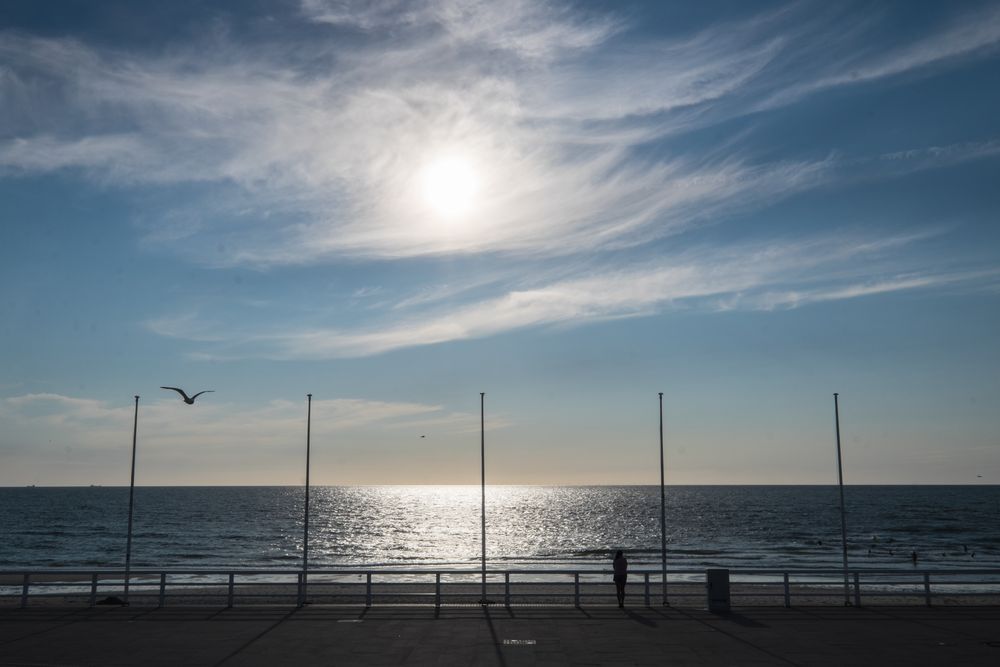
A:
<point x="518" y="642"/>
<point x="349" y="620"/>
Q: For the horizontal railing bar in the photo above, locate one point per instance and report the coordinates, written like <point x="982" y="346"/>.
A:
<point x="154" y="590"/>
<point x="138" y="572"/>
<point x="921" y="594"/>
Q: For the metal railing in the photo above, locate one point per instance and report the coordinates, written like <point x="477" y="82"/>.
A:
<point x="577" y="587"/>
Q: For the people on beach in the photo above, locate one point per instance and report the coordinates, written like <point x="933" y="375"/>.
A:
<point x="913" y="557"/>
<point x="620" y="565"/>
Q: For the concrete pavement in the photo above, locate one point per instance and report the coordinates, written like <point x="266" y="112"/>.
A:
<point x="333" y="635"/>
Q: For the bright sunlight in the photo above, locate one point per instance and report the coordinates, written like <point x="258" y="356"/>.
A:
<point x="450" y="185"/>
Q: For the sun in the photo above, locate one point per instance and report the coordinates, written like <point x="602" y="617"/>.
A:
<point x="449" y="185"/>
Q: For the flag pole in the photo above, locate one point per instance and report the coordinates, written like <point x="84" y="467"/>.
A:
<point x="663" y="512"/>
<point x="482" y="461"/>
<point x="131" y="499"/>
<point x="305" y="536"/>
<point x="843" y="512"/>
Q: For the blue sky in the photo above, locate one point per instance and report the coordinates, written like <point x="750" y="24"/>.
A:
<point x="569" y="206"/>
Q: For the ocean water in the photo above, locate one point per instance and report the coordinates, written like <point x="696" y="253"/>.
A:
<point x="537" y="526"/>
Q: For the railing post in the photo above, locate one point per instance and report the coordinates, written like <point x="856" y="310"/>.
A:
<point x="301" y="594"/>
<point x="576" y="589"/>
<point x="26" y="582"/>
<point x="788" y="593"/>
<point x="232" y="586"/>
<point x="646" y="585"/>
<point x="368" y="590"/>
<point x="927" y="588"/>
<point x="163" y="588"/>
<point x="93" y="589"/>
<point x="857" y="589"/>
<point x="506" y="589"/>
<point x="437" y="589"/>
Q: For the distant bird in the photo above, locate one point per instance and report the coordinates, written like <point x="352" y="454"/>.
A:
<point x="187" y="399"/>
<point x="423" y="436"/>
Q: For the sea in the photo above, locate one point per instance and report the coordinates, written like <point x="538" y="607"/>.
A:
<point x="749" y="527"/>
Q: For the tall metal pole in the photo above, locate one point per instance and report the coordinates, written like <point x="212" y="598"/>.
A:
<point x="482" y="460"/>
<point x="663" y="511"/>
<point x="843" y="513"/>
<point x="305" y="536"/>
<point x="131" y="499"/>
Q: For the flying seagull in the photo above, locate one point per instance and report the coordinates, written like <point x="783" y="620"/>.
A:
<point x="189" y="401"/>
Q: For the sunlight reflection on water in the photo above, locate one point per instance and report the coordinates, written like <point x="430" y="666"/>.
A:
<point x="548" y="526"/>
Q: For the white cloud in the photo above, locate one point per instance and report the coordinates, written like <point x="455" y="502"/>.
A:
<point x="751" y="277"/>
<point x="773" y="300"/>
<point x="99" y="425"/>
<point x="972" y="34"/>
<point x="320" y="155"/>
<point x="941" y="156"/>
<point x="121" y="155"/>
<point x="530" y="28"/>
<point x="57" y="439"/>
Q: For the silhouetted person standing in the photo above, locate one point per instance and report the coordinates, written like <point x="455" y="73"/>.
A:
<point x="620" y="565"/>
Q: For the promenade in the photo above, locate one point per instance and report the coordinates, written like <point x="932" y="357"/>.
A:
<point x="600" y="635"/>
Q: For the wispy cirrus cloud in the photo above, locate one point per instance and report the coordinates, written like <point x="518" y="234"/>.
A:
<point x="529" y="29"/>
<point x="112" y="152"/>
<point x="319" y="156"/>
<point x="788" y="299"/>
<point x="578" y="124"/>
<point x="749" y="277"/>
<point x="972" y="34"/>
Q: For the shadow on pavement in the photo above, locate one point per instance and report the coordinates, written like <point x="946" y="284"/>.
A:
<point x="737" y="638"/>
<point x="493" y="636"/>
<point x="257" y="637"/>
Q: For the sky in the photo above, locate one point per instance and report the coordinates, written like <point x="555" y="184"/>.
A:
<point x="571" y="207"/>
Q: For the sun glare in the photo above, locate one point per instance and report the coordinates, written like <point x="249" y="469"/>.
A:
<point x="449" y="186"/>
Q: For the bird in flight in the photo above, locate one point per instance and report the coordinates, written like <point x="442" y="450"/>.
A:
<point x="187" y="399"/>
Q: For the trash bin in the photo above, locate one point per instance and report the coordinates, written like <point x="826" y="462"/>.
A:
<point x="717" y="588"/>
